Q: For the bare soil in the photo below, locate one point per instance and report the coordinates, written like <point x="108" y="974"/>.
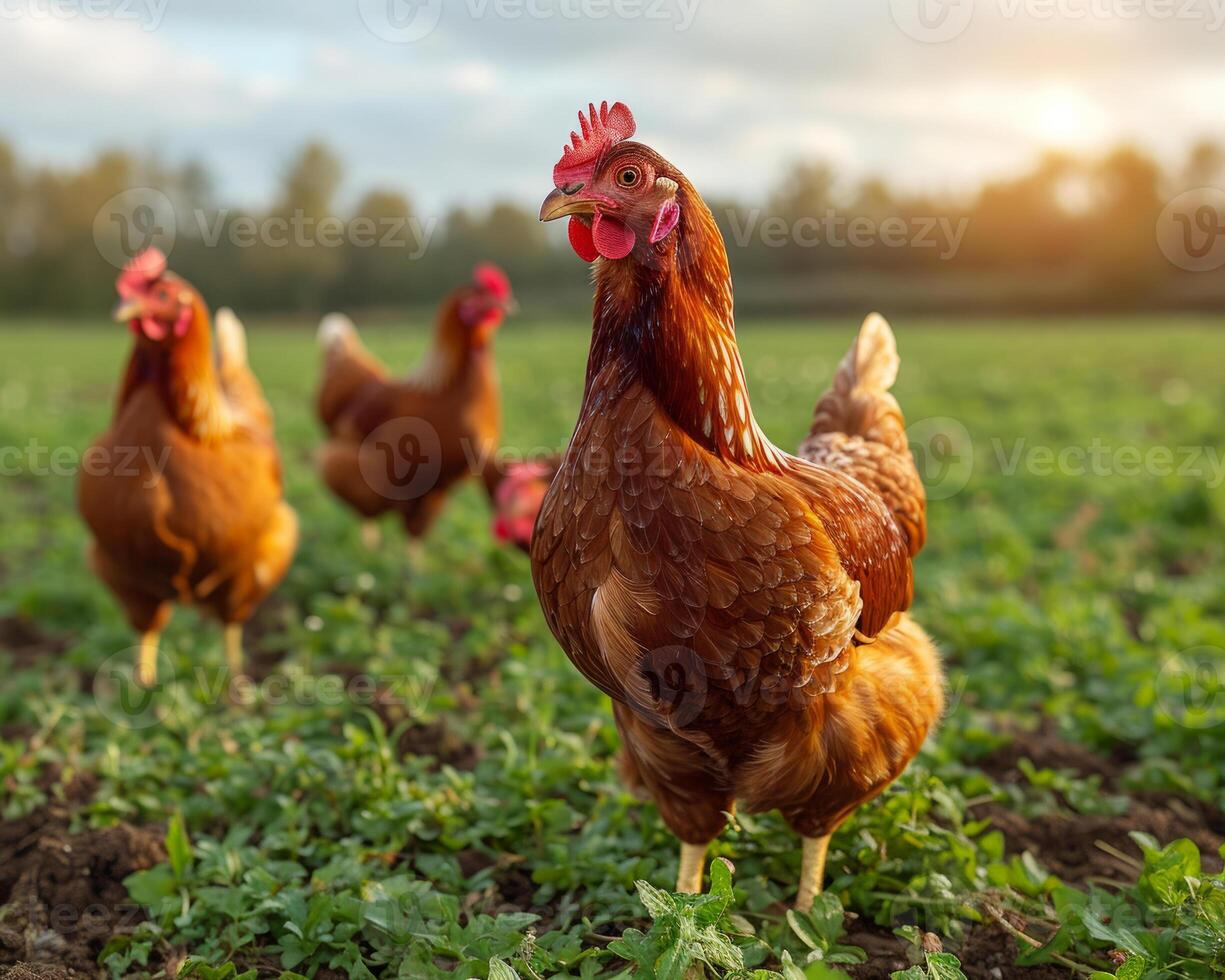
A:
<point x="64" y="892"/>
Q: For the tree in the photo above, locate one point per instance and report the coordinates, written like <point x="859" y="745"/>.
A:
<point x="383" y="252"/>
<point x="1204" y="165"/>
<point x="311" y="182"/>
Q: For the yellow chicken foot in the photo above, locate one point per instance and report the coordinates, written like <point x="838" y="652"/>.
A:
<point x="812" y="871"/>
<point x="146" y="659"/>
<point x="416" y="555"/>
<point x="693" y="861"/>
<point x="233" y="649"/>
<point x="372" y="536"/>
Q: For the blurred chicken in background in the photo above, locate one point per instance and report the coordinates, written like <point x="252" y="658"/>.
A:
<point x="199" y="516"/>
<point x="403" y="445"/>
<point x="517" y="497"/>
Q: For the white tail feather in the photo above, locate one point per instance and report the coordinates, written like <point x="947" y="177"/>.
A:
<point x="335" y="328"/>
<point x="231" y="337"/>
<point x="873" y="360"/>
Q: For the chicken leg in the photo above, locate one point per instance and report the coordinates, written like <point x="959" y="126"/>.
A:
<point x="372" y="535"/>
<point x="693" y="860"/>
<point x="233" y="649"/>
<point x="146" y="658"/>
<point x="812" y="871"/>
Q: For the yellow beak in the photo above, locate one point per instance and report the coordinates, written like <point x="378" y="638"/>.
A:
<point x="559" y="205"/>
<point x="128" y="309"/>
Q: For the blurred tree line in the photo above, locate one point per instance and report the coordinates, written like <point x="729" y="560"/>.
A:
<point x="1112" y="232"/>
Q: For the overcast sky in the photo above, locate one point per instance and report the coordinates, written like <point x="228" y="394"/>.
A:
<point x="468" y="100"/>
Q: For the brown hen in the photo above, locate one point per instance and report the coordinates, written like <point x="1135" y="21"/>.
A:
<point x="196" y="515"/>
<point x="403" y="445"/>
<point x="743" y="608"/>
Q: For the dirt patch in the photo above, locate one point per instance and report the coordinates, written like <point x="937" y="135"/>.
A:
<point x="1047" y="750"/>
<point x="1068" y="844"/>
<point x="887" y="953"/>
<point x="27" y="642"/>
<point x="64" y="892"/>
<point x="436" y="740"/>
<point x="517" y="890"/>
<point x="75" y="792"/>
<point x="36" y="971"/>
<point x="264" y="642"/>
<point x="989" y="953"/>
<point x="16" y="731"/>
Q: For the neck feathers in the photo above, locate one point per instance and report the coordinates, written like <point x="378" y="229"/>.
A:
<point x="666" y="319"/>
<point x="186" y="376"/>
<point x="447" y="359"/>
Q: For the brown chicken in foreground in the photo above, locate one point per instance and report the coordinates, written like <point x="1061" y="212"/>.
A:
<point x="183" y="492"/>
<point x="743" y="608"/>
<point x="403" y="445"/>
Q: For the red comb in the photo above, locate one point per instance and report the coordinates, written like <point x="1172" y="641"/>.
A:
<point x="142" y="270"/>
<point x="601" y="132"/>
<point x="490" y="278"/>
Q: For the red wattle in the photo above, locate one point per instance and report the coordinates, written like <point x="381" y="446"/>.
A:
<point x="153" y="329"/>
<point x="581" y="240"/>
<point x="613" y="239"/>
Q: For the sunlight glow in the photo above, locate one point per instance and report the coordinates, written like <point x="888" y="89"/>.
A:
<point x="1062" y="116"/>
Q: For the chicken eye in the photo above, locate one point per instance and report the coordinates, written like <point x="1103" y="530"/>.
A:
<point x="628" y="176"/>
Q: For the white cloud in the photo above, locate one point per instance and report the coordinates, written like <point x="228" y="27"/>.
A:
<point x="481" y="107"/>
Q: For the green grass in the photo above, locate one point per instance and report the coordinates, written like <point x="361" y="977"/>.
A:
<point x="468" y="821"/>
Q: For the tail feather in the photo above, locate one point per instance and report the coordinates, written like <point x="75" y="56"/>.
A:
<point x="231" y="338"/>
<point x="336" y="329"/>
<point x="348" y="368"/>
<point x="859" y="403"/>
<point x="858" y="428"/>
<point x="873" y="360"/>
<point x="242" y="389"/>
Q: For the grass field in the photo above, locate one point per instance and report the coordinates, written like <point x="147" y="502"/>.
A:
<point x="424" y="786"/>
